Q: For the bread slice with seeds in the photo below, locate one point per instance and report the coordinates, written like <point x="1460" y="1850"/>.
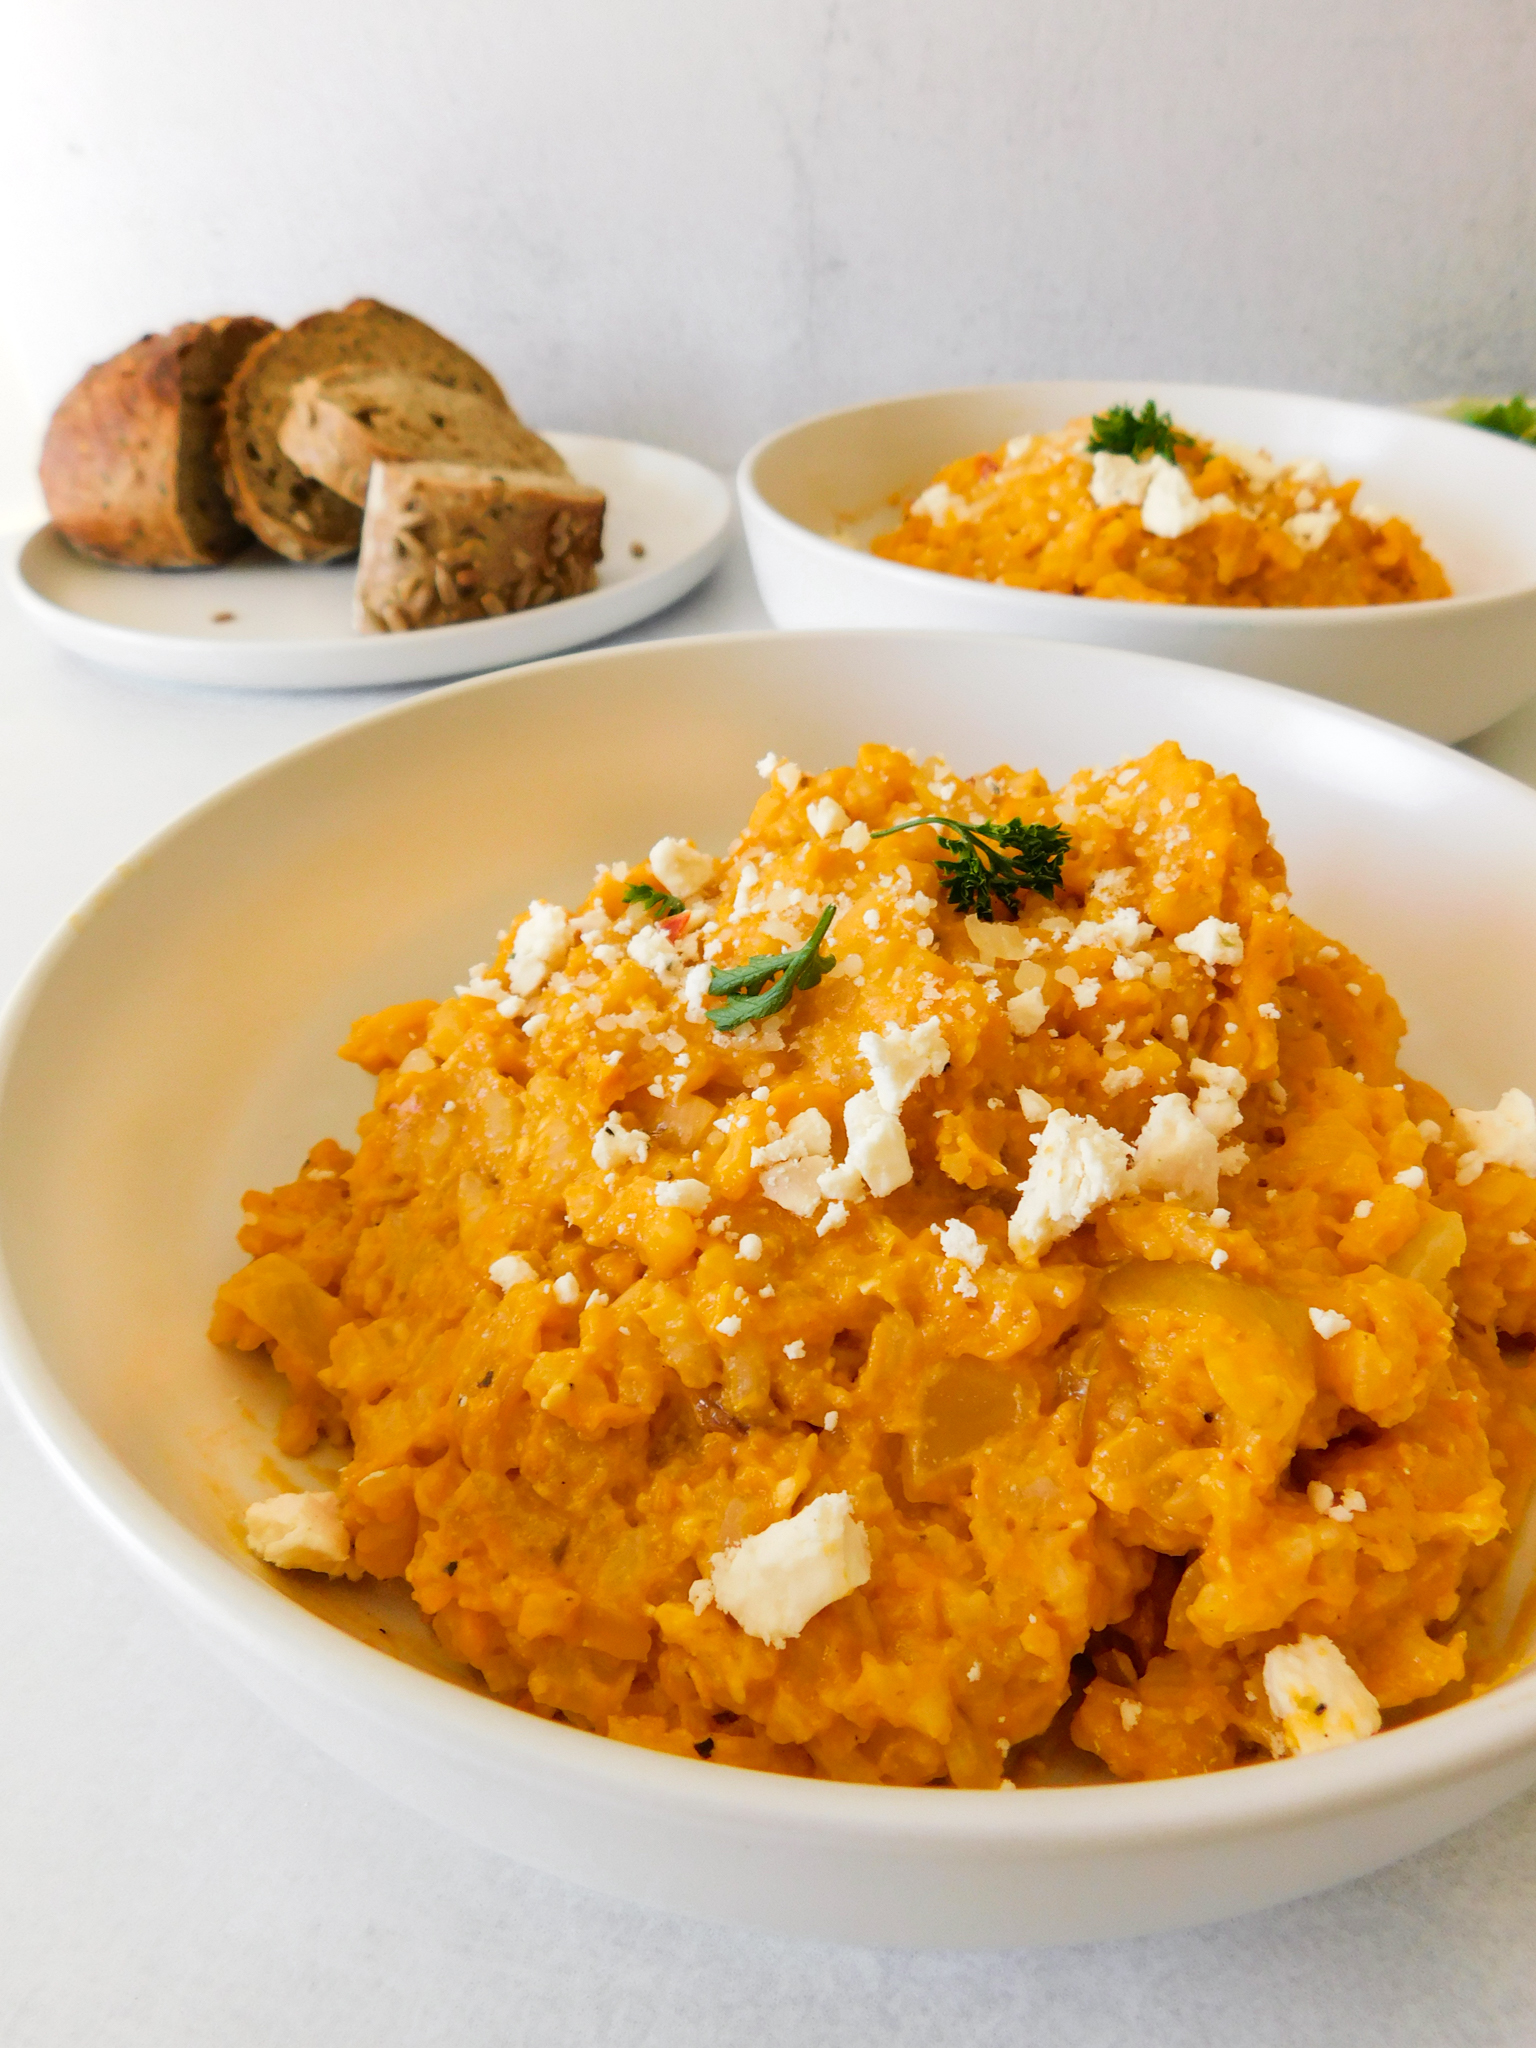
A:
<point x="337" y="427"/>
<point x="445" y="542"/>
<point x="294" y="514"/>
<point x="130" y="469"/>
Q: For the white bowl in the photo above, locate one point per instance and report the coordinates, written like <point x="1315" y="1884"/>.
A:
<point x="813" y="495"/>
<point x="174" y="1046"/>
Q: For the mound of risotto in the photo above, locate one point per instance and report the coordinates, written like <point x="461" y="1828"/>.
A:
<point x="1128" y="505"/>
<point x="956" y="1283"/>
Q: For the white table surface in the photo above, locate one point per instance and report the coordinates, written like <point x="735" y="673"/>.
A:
<point x="177" y="1869"/>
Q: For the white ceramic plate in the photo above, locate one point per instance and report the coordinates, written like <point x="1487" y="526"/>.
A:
<point x="813" y="495"/>
<point x="263" y="623"/>
<point x="175" y="1046"/>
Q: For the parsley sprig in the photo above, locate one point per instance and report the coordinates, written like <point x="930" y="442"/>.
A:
<point x="994" y="862"/>
<point x="1120" y="431"/>
<point x="1513" y="416"/>
<point x="760" y="986"/>
<point x="659" y="903"/>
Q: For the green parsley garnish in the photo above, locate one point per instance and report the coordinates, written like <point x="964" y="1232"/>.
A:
<point x="977" y="872"/>
<point x="1120" y="431"/>
<point x="1513" y="416"/>
<point x="658" y="901"/>
<point x="760" y="986"/>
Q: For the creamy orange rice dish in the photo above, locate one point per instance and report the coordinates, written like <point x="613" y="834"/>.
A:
<point x="862" y="1307"/>
<point x="1179" y="521"/>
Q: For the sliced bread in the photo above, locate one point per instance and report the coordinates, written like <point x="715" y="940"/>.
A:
<point x="130" y="469"/>
<point x="448" y="541"/>
<point x="337" y="427"/>
<point x="295" y="514"/>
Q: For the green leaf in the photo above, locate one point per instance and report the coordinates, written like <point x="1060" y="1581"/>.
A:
<point x="1120" y="431"/>
<point x="993" y="863"/>
<point x="661" y="904"/>
<point x="1515" y="417"/>
<point x="764" y="984"/>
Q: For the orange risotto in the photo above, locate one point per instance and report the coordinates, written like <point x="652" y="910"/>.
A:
<point x="1074" y="1329"/>
<point x="1221" y="524"/>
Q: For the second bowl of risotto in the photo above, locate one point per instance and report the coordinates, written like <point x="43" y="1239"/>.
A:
<point x="1382" y="559"/>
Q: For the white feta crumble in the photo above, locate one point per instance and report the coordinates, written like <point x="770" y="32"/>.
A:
<point x="898" y="1059"/>
<point x="789" y="1166"/>
<point x="729" y="1326"/>
<point x="773" y="1583"/>
<point x="1316" y="1696"/>
<point x="750" y="1248"/>
<point x="1259" y="469"/>
<point x="1310" y="529"/>
<point x="566" y="1289"/>
<point x="1130" y="1714"/>
<point x="1078" y="1165"/>
<point x="510" y="1271"/>
<point x="1085" y="993"/>
<point x="1122" y="932"/>
<point x="1410" y="1177"/>
<point x="300" y="1532"/>
<point x="833" y="1217"/>
<point x="856" y="839"/>
<point x="1328" y="1322"/>
<point x="1036" y="1108"/>
<point x="692" y="1195"/>
<point x="1118" y="479"/>
<point x="877" y="1144"/>
<point x="680" y="867"/>
<point x="1363" y="1209"/>
<point x="940" y="504"/>
<point x="1214" y="942"/>
<point x="830" y="1419"/>
<point x="542" y="942"/>
<point x="695" y="988"/>
<point x="841" y="1183"/>
<point x="1118" y="1079"/>
<point x="1170" y="507"/>
<point x="826" y="816"/>
<point x="656" y="953"/>
<point x="1176" y="1154"/>
<point x="959" y="1241"/>
<point x="1271" y="1011"/>
<point x="613" y="1145"/>
<point x="795" y="1349"/>
<point x="1026" y="1012"/>
<point x="1219" y="1103"/>
<point x="1502" y="1136"/>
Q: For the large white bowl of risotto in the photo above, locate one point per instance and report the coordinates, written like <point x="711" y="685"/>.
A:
<point x="1380" y="558"/>
<point x="920" y="1382"/>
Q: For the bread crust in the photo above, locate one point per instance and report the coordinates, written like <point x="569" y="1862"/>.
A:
<point x="128" y="468"/>
<point x="445" y="542"/>
<point x="338" y="426"/>
<point x="294" y="514"/>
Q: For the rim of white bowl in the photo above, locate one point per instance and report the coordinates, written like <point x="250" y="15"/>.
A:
<point x="1455" y="1742"/>
<point x="1260" y="618"/>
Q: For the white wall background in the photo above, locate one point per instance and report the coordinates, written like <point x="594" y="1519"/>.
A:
<point x="689" y="220"/>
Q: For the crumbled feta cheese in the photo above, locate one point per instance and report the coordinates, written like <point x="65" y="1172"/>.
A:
<point x="729" y="1326"/>
<point x="750" y="1248"/>
<point x="877" y="1144"/>
<point x="300" y="1532"/>
<point x="613" y="1145"/>
<point x="1328" y="1322"/>
<point x="701" y="1595"/>
<point x="1118" y="479"/>
<point x="898" y="1059"/>
<point x="790" y="1164"/>
<point x="1503" y="1136"/>
<point x="1176" y="1154"/>
<point x="1027" y="1012"/>
<point x="1170" y="508"/>
<point x="1316" y="1696"/>
<point x="1086" y="993"/>
<point x="1219" y="1103"/>
<point x="695" y="988"/>
<point x="796" y="1349"/>
<point x="773" y="1583"/>
<point x="1118" y="1079"/>
<point x="1410" y="1177"/>
<point x="566" y="1289"/>
<point x="959" y="1241"/>
<point x="510" y="1271"/>
<point x="766" y="766"/>
<point x="542" y="942"/>
<point x="1520" y="1237"/>
<point x="1123" y="932"/>
<point x="826" y="816"/>
<point x="841" y="1183"/>
<point x="1036" y="1108"/>
<point x="1271" y="1011"/>
<point x="692" y="1195"/>
<point x="680" y="867"/>
<point x="833" y="1217"/>
<point x="1362" y="1210"/>
<point x="1016" y="449"/>
<point x="1078" y="1164"/>
<point x="1253" y="463"/>
<point x="856" y="838"/>
<point x="1310" y="529"/>
<point x="1213" y="942"/>
<point x="940" y="504"/>
<point x="1130" y="1714"/>
<point x="656" y="953"/>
